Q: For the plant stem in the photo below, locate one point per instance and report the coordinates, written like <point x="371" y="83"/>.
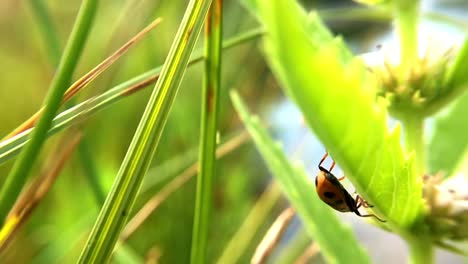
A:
<point x="421" y="250"/>
<point x="91" y="170"/>
<point x="406" y="23"/>
<point x="210" y="109"/>
<point x="22" y="167"/>
<point x="413" y="127"/>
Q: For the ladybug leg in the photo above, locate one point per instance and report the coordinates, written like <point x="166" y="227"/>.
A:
<point x="372" y="215"/>
<point x="332" y="166"/>
<point x="369" y="215"/>
<point x="342" y="178"/>
<point x="363" y="202"/>
<point x="358" y="202"/>
<point x="323" y="159"/>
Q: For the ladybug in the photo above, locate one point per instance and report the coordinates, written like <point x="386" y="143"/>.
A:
<point x="330" y="190"/>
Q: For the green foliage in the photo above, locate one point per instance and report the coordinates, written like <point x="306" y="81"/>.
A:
<point x="110" y="130"/>
<point x="321" y="222"/>
<point x="336" y="97"/>
<point x="341" y="101"/>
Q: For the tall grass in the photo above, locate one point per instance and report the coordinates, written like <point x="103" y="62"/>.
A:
<point x="225" y="214"/>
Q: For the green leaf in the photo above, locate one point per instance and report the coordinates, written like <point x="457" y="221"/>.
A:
<point x="337" y="99"/>
<point x="321" y="222"/>
<point x="450" y="139"/>
<point x="457" y="72"/>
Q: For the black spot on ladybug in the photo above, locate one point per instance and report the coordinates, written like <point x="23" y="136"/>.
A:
<point x="316" y="181"/>
<point x="329" y="194"/>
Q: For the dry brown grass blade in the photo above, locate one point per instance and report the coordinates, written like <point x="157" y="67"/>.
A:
<point x="136" y="87"/>
<point x="273" y="236"/>
<point x="36" y="191"/>
<point x="310" y="252"/>
<point x="154" y="255"/>
<point x="88" y="77"/>
<point x="175" y="184"/>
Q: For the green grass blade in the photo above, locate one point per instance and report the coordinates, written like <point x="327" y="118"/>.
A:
<point x="91" y="170"/>
<point x="337" y="99"/>
<point x="25" y="162"/>
<point x="52" y="43"/>
<point x="209" y="128"/>
<point x="57" y="248"/>
<point x="295" y="247"/>
<point x="11" y="147"/>
<point x="321" y="222"/>
<point x="450" y="139"/>
<point x="257" y="216"/>
<point x="118" y="204"/>
<point x="47" y="29"/>
<point x="53" y="46"/>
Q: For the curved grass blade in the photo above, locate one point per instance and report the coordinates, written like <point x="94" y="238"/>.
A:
<point x="321" y="222"/>
<point x="11" y="147"/>
<point x="119" y="202"/>
<point x="273" y="236"/>
<point x="337" y="99"/>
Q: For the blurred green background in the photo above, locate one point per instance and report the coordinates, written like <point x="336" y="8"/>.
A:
<point x="58" y="228"/>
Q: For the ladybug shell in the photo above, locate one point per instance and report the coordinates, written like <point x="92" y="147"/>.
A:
<point x="330" y="191"/>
